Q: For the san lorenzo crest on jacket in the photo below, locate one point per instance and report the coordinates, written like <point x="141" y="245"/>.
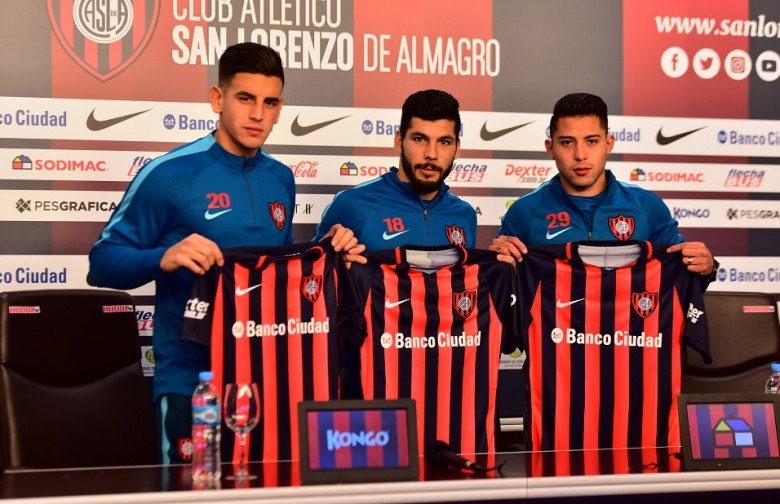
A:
<point x="622" y="227"/>
<point x="456" y="235"/>
<point x="278" y="214"/>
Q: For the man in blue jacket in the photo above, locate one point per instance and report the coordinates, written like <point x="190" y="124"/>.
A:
<point x="585" y="201"/>
<point x="411" y="205"/>
<point x="217" y="192"/>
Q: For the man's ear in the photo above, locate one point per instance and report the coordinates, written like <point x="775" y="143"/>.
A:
<point x="216" y="96"/>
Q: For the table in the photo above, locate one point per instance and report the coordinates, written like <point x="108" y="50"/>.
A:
<point x="652" y="474"/>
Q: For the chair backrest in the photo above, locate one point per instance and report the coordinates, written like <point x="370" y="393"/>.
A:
<point x="72" y="390"/>
<point x="744" y="340"/>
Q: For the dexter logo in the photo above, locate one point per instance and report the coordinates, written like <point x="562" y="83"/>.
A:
<point x="337" y="439"/>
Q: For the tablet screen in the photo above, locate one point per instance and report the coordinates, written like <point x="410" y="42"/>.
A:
<point x="730" y="431"/>
<point x="358" y="441"/>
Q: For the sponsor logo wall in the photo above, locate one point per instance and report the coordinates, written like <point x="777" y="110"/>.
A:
<point x="693" y="107"/>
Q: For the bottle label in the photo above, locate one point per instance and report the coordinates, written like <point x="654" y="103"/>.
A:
<point x="205" y="415"/>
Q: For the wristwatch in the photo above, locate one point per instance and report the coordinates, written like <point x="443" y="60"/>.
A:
<point x="713" y="275"/>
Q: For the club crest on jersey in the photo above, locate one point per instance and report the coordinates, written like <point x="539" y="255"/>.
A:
<point x="622" y="227"/>
<point x="464" y="302"/>
<point x="311" y="286"/>
<point x="456" y="235"/>
<point x="104" y="38"/>
<point x="644" y="303"/>
<point x="185" y="449"/>
<point x="278" y="214"/>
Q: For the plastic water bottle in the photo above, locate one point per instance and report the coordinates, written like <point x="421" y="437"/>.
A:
<point x="206" y="430"/>
<point x="773" y="383"/>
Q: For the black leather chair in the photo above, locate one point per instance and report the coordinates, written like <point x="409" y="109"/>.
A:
<point x="744" y="341"/>
<point x="72" y="390"/>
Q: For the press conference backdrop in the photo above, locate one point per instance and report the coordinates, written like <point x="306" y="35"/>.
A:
<point x="91" y="91"/>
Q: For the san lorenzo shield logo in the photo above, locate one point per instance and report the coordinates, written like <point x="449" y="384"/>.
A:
<point x="278" y="214"/>
<point x="622" y="227"/>
<point x="103" y="36"/>
<point x="464" y="302"/>
<point x="456" y="235"/>
<point x="311" y="286"/>
<point x="644" y="303"/>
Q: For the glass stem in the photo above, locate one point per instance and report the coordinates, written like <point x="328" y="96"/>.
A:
<point x="242" y="443"/>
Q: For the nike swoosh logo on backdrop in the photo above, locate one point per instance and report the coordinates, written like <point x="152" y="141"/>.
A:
<point x="388" y="304"/>
<point x="208" y="215"/>
<point x="393" y="235"/>
<point x="666" y="140"/>
<point x="299" y="130"/>
<point x="550" y="236"/>
<point x="561" y="304"/>
<point x="241" y="292"/>
<point x="487" y="136"/>
<point x="101" y="124"/>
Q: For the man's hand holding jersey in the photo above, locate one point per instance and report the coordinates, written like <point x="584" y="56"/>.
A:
<point x="196" y="253"/>
<point x="510" y="249"/>
<point x="343" y="239"/>
<point x="696" y="257"/>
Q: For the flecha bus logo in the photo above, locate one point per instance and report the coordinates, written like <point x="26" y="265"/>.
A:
<point x="103" y="38"/>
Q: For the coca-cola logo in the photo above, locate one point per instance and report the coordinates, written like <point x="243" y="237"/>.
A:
<point x="305" y="169"/>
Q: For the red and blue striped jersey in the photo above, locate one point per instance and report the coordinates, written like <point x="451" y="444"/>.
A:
<point x="606" y="345"/>
<point x="435" y="335"/>
<point x="269" y="315"/>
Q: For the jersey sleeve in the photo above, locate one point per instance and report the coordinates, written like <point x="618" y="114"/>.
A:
<point x="352" y="331"/>
<point x="200" y="308"/>
<point x="504" y="293"/>
<point x="696" y="333"/>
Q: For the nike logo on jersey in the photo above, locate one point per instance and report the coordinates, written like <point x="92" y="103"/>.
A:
<point x="208" y="215"/>
<point x="561" y="304"/>
<point x="550" y="235"/>
<point x="241" y="292"/>
<point x="390" y="236"/>
<point x="389" y="304"/>
<point x="513" y="298"/>
<point x="298" y="129"/>
<point x="487" y="135"/>
<point x="666" y="140"/>
<point x="97" y="124"/>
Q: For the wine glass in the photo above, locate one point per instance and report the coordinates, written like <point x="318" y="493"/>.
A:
<point x="242" y="413"/>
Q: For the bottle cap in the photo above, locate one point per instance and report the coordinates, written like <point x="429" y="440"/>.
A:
<point x="776" y="366"/>
<point x="205" y="376"/>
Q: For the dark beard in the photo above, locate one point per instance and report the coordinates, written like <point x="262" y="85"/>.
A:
<point x="422" y="186"/>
